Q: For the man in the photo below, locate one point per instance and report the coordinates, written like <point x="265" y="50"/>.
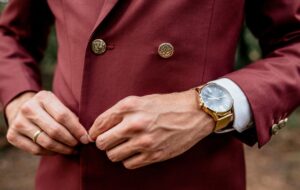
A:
<point x="152" y="84"/>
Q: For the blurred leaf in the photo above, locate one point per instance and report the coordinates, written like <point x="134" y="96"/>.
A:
<point x="248" y="50"/>
<point x="47" y="65"/>
<point x="2" y="4"/>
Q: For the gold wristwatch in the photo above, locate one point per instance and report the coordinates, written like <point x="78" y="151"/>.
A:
<point x="217" y="102"/>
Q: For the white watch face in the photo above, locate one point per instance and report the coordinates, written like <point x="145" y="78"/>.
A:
<point x="216" y="98"/>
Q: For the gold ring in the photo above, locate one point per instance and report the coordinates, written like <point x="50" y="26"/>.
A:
<point x="36" y="135"/>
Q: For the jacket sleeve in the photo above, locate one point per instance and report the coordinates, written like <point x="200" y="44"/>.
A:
<point x="272" y="84"/>
<point x="24" y="28"/>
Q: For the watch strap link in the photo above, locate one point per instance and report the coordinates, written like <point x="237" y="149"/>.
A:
<point x="223" y="121"/>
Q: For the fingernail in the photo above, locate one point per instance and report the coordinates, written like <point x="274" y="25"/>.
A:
<point x="90" y="138"/>
<point x="85" y="139"/>
<point x="100" y="146"/>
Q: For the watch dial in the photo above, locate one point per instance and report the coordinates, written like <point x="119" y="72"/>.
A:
<point x="216" y="98"/>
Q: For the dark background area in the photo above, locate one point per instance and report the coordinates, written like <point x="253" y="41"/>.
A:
<point x="276" y="166"/>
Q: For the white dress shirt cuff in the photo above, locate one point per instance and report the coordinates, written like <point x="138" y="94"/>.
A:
<point x="242" y="111"/>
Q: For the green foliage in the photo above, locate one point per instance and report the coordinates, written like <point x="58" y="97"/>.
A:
<point x="51" y="52"/>
<point x="47" y="65"/>
<point x="2" y="6"/>
<point x="248" y="50"/>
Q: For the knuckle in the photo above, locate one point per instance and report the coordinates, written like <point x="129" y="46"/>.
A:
<point x="128" y="166"/>
<point x="42" y="95"/>
<point x="135" y="127"/>
<point x="138" y="124"/>
<point x="67" y="151"/>
<point x="10" y="136"/>
<point x="111" y="157"/>
<point x="62" y="117"/>
<point x="73" y="142"/>
<point x="155" y="157"/>
<point x="36" y="150"/>
<point x="140" y="121"/>
<point x="54" y="132"/>
<point x="99" y="146"/>
<point x="27" y="108"/>
<point x="129" y="102"/>
<point x="17" y="123"/>
<point x="49" y="145"/>
<point x="70" y="151"/>
<point x="145" y="142"/>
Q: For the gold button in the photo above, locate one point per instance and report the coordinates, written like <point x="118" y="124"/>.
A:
<point x="275" y="129"/>
<point x="281" y="124"/>
<point x="166" y="50"/>
<point x="98" y="46"/>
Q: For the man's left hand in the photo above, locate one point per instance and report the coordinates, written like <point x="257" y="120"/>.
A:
<point x="139" y="131"/>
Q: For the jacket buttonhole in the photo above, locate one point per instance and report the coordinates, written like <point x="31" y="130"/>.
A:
<point x="110" y="46"/>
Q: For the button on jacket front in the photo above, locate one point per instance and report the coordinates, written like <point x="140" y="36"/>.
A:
<point x="98" y="46"/>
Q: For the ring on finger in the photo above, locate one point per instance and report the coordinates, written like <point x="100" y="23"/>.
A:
<point x="36" y="135"/>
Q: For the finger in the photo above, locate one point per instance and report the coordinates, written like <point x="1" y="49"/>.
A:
<point x="137" y="161"/>
<point x="26" y="144"/>
<point x="43" y="139"/>
<point x="46" y="142"/>
<point x="112" y="137"/>
<point x="54" y="129"/>
<point x="122" y="152"/>
<point x="65" y="117"/>
<point x="130" y="127"/>
<point x="103" y="123"/>
<point x="113" y="116"/>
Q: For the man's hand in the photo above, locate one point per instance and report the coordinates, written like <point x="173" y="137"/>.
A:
<point x="139" y="131"/>
<point x="32" y="112"/>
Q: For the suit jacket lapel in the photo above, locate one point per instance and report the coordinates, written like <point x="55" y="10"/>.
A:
<point x="107" y="7"/>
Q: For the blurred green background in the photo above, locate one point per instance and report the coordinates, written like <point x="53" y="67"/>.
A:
<point x="276" y="166"/>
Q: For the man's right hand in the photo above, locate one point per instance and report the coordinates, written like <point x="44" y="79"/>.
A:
<point x="31" y="112"/>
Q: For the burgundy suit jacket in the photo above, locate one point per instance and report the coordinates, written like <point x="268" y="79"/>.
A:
<point x="205" y="36"/>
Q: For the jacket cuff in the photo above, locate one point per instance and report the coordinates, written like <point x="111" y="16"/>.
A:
<point x="261" y="131"/>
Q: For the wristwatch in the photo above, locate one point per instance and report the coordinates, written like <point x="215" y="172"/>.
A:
<point x="217" y="102"/>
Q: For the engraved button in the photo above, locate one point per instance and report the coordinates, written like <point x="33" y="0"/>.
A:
<point x="98" y="46"/>
<point x="166" y="50"/>
<point x="275" y="129"/>
<point x="281" y="124"/>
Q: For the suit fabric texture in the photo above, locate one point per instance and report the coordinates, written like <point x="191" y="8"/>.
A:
<point x="204" y="34"/>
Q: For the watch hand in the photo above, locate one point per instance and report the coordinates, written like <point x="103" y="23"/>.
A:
<point x="213" y="98"/>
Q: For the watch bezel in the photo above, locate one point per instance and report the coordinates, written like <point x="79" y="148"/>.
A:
<point x="202" y="102"/>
